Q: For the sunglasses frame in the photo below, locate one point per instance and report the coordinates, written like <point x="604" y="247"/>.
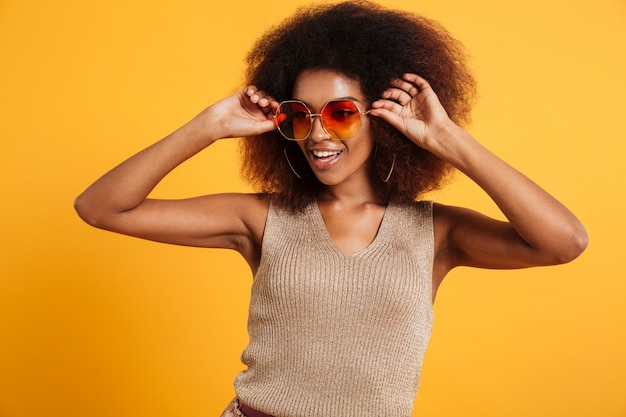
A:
<point x="312" y="117"/>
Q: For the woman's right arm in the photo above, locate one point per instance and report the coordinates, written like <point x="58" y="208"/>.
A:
<point x="119" y="202"/>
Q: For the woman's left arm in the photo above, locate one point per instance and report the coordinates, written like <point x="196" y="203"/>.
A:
<point x="539" y="231"/>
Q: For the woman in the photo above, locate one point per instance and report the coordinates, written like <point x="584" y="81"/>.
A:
<point x="351" y="113"/>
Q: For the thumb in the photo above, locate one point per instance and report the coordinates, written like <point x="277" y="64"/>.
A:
<point x="264" y="126"/>
<point x="390" y="117"/>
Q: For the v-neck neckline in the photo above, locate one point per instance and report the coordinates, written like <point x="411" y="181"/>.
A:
<point x="327" y="239"/>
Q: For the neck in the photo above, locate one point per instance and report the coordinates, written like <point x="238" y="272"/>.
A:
<point x="350" y="195"/>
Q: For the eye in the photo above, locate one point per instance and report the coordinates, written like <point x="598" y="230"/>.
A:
<point x="340" y="114"/>
<point x="300" y="114"/>
<point x="341" y="110"/>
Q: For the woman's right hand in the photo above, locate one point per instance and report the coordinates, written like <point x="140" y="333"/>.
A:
<point x="249" y="112"/>
<point x="118" y="201"/>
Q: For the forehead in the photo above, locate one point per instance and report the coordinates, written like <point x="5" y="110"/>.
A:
<point x="318" y="86"/>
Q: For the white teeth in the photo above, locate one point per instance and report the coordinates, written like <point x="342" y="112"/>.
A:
<point x="325" y="154"/>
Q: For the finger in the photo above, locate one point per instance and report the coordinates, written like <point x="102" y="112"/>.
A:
<point x="250" y="90"/>
<point x="269" y="104"/>
<point x="388" y="105"/>
<point x="416" y="80"/>
<point x="384" y="111"/>
<point x="264" y="103"/>
<point x="407" y="86"/>
<point x="259" y="97"/>
<point x="397" y="95"/>
<point x="256" y="96"/>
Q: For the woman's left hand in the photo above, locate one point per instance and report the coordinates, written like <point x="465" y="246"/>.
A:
<point x="411" y="106"/>
<point x="539" y="231"/>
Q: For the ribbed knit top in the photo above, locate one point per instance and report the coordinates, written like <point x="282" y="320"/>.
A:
<point x="335" y="335"/>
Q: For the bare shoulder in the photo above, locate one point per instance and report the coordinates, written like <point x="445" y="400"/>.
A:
<point x="246" y="212"/>
<point x="234" y="221"/>
<point x="446" y="218"/>
<point x="252" y="209"/>
<point x="455" y="226"/>
<point x="443" y="217"/>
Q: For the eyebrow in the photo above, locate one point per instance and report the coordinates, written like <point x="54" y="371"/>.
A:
<point x="334" y="99"/>
<point x="349" y="98"/>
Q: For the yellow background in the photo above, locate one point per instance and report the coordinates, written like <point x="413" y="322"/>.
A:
<point x="94" y="324"/>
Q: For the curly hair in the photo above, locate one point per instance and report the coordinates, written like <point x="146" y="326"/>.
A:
<point x="370" y="44"/>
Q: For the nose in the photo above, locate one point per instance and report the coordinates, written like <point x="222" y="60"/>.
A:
<point x="318" y="133"/>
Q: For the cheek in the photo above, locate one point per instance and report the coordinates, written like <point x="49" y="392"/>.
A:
<point x="361" y="153"/>
<point x="367" y="144"/>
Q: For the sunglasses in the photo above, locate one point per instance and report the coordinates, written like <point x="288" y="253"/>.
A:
<point x="340" y="119"/>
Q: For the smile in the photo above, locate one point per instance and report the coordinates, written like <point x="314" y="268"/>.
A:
<point x="324" y="159"/>
<point x="325" y="154"/>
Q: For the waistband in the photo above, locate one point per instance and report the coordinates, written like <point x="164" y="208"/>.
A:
<point x="250" y="412"/>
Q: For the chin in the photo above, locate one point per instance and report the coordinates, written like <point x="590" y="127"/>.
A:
<point x="327" y="178"/>
<point x="327" y="181"/>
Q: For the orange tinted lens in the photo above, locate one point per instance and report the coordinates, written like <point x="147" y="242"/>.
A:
<point x="341" y="119"/>
<point x="293" y="120"/>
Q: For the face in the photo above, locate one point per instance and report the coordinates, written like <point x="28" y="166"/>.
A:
<point x="334" y="161"/>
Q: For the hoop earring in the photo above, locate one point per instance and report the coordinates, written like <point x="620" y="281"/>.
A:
<point x="385" y="179"/>
<point x="300" y="176"/>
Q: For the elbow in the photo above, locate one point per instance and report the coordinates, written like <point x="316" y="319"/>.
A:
<point x="97" y="212"/>
<point x="581" y="241"/>
<point x="572" y="246"/>
<point x="86" y="211"/>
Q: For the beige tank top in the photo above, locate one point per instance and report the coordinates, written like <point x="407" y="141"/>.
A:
<point x="338" y="335"/>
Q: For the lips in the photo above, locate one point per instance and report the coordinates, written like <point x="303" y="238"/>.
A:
<point x="325" y="158"/>
<point x="325" y="154"/>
